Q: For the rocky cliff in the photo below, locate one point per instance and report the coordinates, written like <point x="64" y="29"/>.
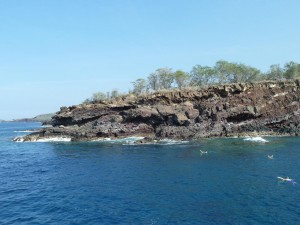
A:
<point x="270" y="107"/>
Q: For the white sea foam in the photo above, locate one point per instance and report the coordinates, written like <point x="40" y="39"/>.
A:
<point x="171" y="142"/>
<point x="50" y="139"/>
<point x="24" y="131"/>
<point x="256" y="139"/>
<point x="101" y="139"/>
<point x="132" y="141"/>
<point x="47" y="126"/>
<point x="127" y="140"/>
<point x="19" y="139"/>
<point x="54" y="139"/>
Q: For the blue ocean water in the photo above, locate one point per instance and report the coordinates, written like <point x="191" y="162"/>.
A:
<point x="115" y="183"/>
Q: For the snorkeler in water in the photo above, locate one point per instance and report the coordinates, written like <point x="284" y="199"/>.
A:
<point x="287" y="179"/>
<point x="203" y="152"/>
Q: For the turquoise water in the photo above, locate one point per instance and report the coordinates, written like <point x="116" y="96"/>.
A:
<point x="115" y="183"/>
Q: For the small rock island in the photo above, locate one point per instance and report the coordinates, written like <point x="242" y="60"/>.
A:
<point x="238" y="109"/>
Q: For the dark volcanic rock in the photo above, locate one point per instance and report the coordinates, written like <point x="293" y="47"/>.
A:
<point x="270" y="107"/>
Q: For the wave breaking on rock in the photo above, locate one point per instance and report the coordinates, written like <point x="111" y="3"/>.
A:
<point x="256" y="139"/>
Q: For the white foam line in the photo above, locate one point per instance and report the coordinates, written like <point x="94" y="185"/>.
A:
<point x="171" y="142"/>
<point x="120" y="140"/>
<point x="256" y="139"/>
<point x="24" y="131"/>
<point x="54" y="139"/>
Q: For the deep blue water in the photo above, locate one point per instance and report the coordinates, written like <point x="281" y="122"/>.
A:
<point x="106" y="183"/>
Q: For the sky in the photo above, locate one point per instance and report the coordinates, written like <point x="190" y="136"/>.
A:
<point x="57" y="53"/>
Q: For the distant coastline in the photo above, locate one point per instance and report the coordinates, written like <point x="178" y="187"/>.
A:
<point x="43" y="118"/>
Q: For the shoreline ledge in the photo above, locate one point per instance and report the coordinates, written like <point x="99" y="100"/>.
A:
<point x="239" y="109"/>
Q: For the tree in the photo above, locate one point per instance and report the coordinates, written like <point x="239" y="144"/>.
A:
<point x="166" y="77"/>
<point x="86" y="101"/>
<point x="291" y="70"/>
<point x="181" y="78"/>
<point x="224" y="71"/>
<point x="228" y="72"/>
<point x="243" y="73"/>
<point x="203" y="75"/>
<point x="139" y="86"/>
<point x="114" y="93"/>
<point x="98" y="96"/>
<point x="153" y="81"/>
<point x="275" y="72"/>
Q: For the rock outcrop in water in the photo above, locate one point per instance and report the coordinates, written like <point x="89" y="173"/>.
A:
<point x="270" y="107"/>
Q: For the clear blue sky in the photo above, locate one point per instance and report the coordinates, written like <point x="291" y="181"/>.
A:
<point x="58" y="52"/>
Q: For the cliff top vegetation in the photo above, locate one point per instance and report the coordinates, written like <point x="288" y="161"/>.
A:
<point x="223" y="72"/>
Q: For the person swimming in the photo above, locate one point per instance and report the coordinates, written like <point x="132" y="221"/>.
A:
<point x="270" y="156"/>
<point x="287" y="179"/>
<point x="203" y="152"/>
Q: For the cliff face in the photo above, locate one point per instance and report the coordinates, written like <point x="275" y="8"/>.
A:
<point x="226" y="110"/>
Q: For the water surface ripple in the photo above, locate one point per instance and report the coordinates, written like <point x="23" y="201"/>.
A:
<point x="106" y="183"/>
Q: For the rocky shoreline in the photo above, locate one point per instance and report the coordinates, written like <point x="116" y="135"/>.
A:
<point x="240" y="109"/>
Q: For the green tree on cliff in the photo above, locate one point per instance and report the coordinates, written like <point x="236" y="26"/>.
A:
<point x="153" y="81"/>
<point x="98" y="96"/>
<point x="224" y="71"/>
<point x="230" y="72"/>
<point x="203" y="75"/>
<point x="166" y="77"/>
<point x="139" y="86"/>
<point x="181" y="78"/>
<point x="291" y="70"/>
<point x="275" y="72"/>
<point x="243" y="73"/>
<point x="162" y="78"/>
<point x="114" y="93"/>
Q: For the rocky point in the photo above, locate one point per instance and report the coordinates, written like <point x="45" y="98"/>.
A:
<point x="240" y="109"/>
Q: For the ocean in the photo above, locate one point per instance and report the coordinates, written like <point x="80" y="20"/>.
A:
<point x="108" y="182"/>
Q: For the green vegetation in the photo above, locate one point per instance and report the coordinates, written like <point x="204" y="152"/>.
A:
<point x="223" y="72"/>
<point x="139" y="86"/>
<point x="181" y="78"/>
<point x="291" y="70"/>
<point x="101" y="96"/>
